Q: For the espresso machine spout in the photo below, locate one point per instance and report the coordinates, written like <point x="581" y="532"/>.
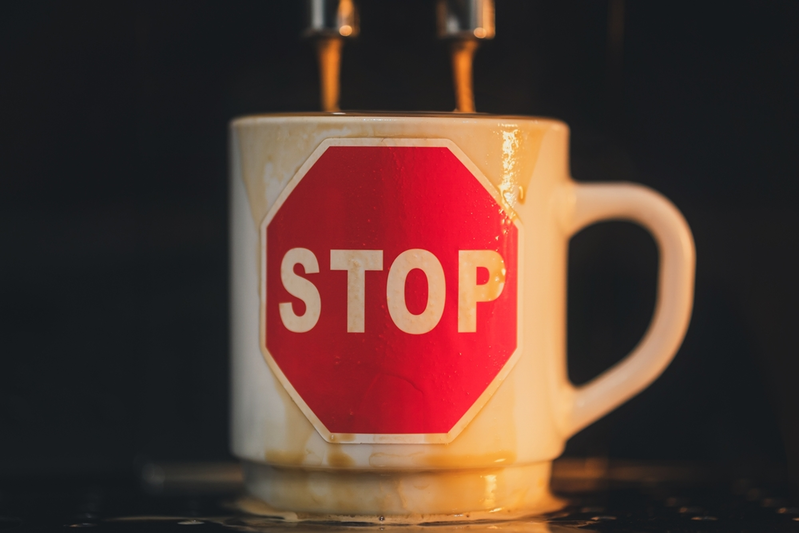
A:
<point x="331" y="18"/>
<point x="466" y="19"/>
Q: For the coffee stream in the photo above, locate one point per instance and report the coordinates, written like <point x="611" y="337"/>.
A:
<point x="329" y="54"/>
<point x="462" y="58"/>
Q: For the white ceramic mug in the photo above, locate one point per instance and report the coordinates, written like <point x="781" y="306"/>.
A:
<point x="399" y="309"/>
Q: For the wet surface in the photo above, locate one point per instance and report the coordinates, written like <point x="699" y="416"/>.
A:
<point x="620" y="498"/>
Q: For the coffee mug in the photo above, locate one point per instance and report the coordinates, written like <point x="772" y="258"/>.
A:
<point x="399" y="311"/>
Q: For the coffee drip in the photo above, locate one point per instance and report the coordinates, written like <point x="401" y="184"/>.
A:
<point x="464" y="23"/>
<point x="328" y="51"/>
<point x="462" y="59"/>
<point x="329" y="22"/>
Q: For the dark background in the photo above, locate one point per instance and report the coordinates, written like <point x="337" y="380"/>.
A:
<point x="113" y="206"/>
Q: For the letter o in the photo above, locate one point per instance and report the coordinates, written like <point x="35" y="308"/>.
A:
<point x="436" y="291"/>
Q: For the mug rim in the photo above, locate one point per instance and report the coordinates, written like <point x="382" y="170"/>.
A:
<point x="302" y="116"/>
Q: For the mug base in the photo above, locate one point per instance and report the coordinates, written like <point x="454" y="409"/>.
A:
<point x="294" y="494"/>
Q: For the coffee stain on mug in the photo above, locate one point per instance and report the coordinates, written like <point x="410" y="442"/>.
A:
<point x="500" y="458"/>
<point x="285" y="458"/>
<point x="339" y="459"/>
<point x="299" y="432"/>
<point x="343" y="437"/>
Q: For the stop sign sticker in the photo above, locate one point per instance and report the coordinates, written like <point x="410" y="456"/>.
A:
<point x="390" y="290"/>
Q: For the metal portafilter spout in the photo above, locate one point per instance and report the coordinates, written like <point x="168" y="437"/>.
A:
<point x="465" y="23"/>
<point x="328" y="23"/>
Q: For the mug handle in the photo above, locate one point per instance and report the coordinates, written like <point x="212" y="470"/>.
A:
<point x="591" y="203"/>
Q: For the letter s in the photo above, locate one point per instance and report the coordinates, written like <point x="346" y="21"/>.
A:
<point x="301" y="288"/>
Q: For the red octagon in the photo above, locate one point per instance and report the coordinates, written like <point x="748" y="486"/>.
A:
<point x="360" y="369"/>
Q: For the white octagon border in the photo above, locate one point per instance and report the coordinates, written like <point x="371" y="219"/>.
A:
<point x="482" y="400"/>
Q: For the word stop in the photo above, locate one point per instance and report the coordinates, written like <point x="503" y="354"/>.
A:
<point x="358" y="262"/>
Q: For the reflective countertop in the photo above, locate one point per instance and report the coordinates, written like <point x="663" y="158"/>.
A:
<point x="602" y="495"/>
